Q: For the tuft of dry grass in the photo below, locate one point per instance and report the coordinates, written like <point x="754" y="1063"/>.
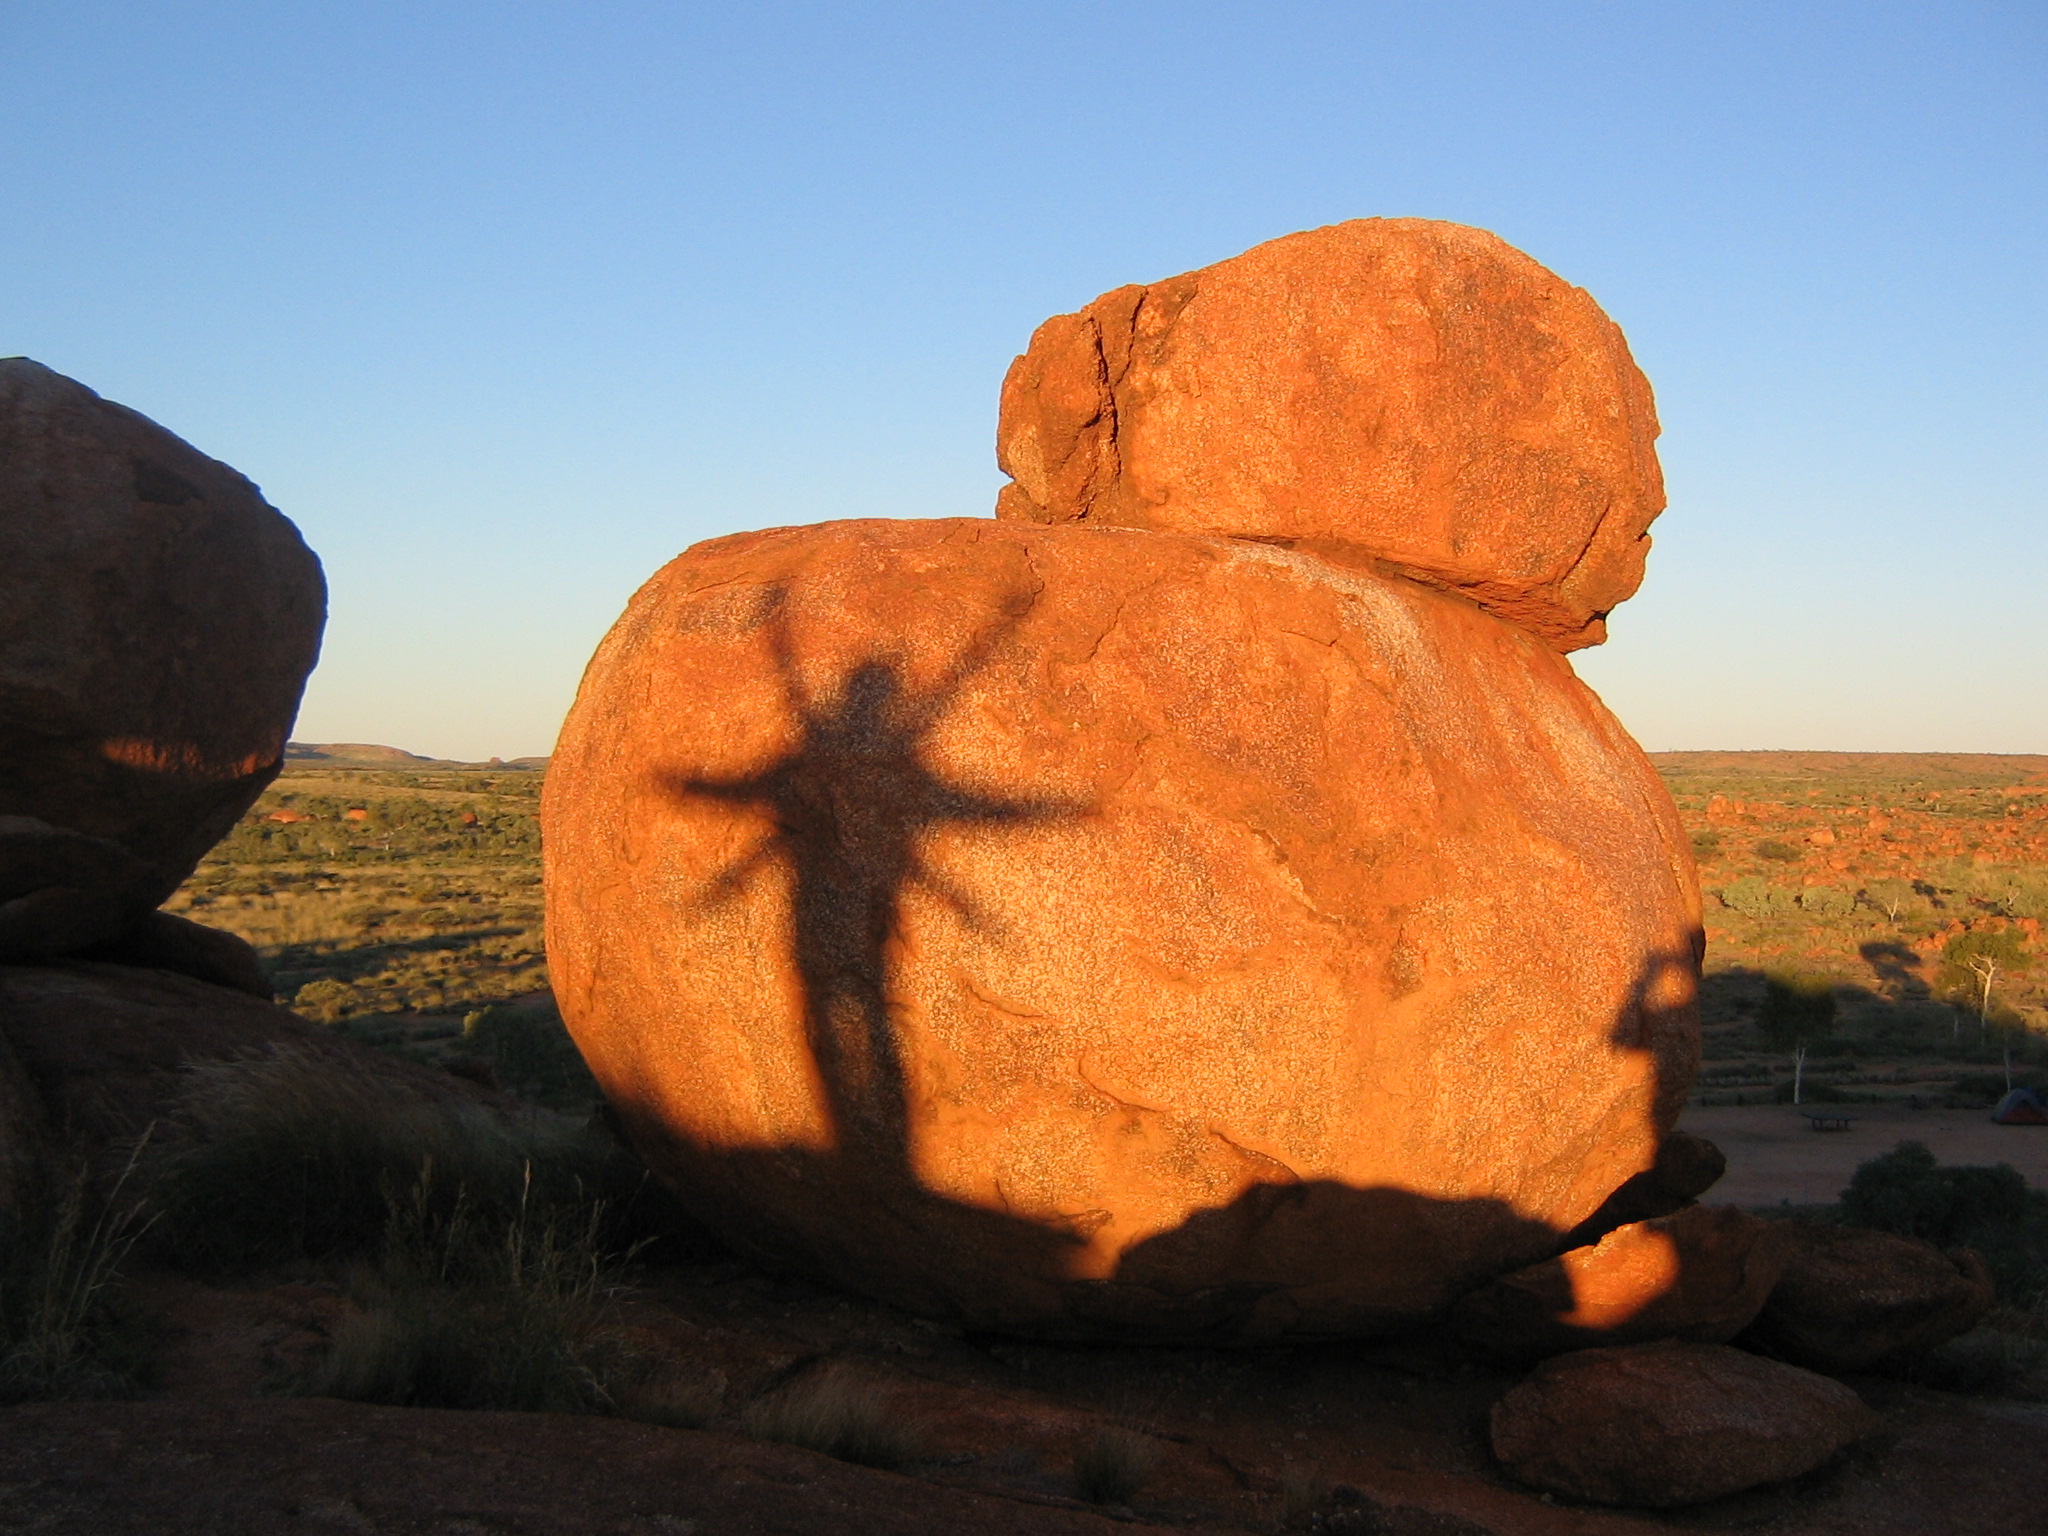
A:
<point x="838" y="1412"/>
<point x="1303" y="1493"/>
<point x="464" y="1311"/>
<point x="687" y="1400"/>
<point x="1115" y="1464"/>
<point x="63" y="1333"/>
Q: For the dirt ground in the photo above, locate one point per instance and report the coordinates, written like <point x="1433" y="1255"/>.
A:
<point x="1342" y="1440"/>
<point x="1775" y="1155"/>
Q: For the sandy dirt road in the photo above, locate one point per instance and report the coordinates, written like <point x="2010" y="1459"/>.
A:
<point x="1774" y="1154"/>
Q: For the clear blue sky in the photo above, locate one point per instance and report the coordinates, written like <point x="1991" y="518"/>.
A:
<point x="507" y="303"/>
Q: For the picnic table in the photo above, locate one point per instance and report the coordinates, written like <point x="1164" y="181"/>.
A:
<point x="1827" y="1119"/>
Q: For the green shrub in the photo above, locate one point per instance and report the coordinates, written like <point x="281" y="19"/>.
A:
<point x="1783" y="853"/>
<point x="1827" y="901"/>
<point x="1990" y="1209"/>
<point x="325" y="1001"/>
<point x="1706" y="845"/>
<point x="1753" y="897"/>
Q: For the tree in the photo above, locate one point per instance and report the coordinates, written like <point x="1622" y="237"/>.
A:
<point x="1971" y="964"/>
<point x="1798" y="1011"/>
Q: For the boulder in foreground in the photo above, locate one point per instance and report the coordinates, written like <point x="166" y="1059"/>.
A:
<point x="1851" y="1299"/>
<point x="1398" y="393"/>
<point x="157" y="622"/>
<point x="1086" y="931"/>
<point x="1669" y="1424"/>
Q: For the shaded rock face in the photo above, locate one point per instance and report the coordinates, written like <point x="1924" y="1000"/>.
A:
<point x="1851" y="1299"/>
<point x="1687" y="1167"/>
<point x="103" y="1051"/>
<point x="157" y="622"/>
<point x="1670" y="1424"/>
<point x="1079" y="931"/>
<point x="1700" y="1274"/>
<point x="1389" y="393"/>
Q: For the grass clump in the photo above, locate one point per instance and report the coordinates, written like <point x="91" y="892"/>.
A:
<point x="1115" y="1464"/>
<point x="838" y="1412"/>
<point x="298" y="1156"/>
<point x="63" y="1330"/>
<point x="463" y="1311"/>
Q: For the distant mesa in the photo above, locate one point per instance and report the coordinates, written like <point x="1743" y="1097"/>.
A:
<point x="356" y="754"/>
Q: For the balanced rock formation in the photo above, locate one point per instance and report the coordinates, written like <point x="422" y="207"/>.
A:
<point x="1851" y="1299"/>
<point x="1701" y="1274"/>
<point x="1083" y="930"/>
<point x="157" y="622"/>
<point x="1669" y="1424"/>
<point x="1390" y="393"/>
<point x="1687" y="1167"/>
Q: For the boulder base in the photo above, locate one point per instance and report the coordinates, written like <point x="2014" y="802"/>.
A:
<point x="1669" y="1424"/>
<point x="1700" y="1274"/>
<point x="1851" y="1299"/>
<point x="1083" y="931"/>
<point x="1387" y="392"/>
<point x="157" y="622"/>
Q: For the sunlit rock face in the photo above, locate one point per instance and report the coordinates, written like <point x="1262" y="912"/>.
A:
<point x="1398" y="394"/>
<point x="157" y="622"/>
<point x="1092" y="931"/>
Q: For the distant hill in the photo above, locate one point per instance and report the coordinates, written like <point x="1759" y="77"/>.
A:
<point x="358" y="754"/>
<point x="1933" y="770"/>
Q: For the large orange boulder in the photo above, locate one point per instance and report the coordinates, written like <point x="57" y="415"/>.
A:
<point x="1088" y="931"/>
<point x="1388" y="393"/>
<point x="157" y="622"/>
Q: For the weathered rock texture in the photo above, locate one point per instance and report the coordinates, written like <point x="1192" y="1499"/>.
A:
<point x="1850" y="1299"/>
<point x="1700" y="1274"/>
<point x="1668" y="1424"/>
<point x="157" y="622"/>
<point x="1072" y="929"/>
<point x="1399" y="393"/>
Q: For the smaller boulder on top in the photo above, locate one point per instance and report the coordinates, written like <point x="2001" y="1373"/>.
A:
<point x="1396" y="394"/>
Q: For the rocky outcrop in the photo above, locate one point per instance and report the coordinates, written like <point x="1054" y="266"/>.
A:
<point x="1390" y="394"/>
<point x="1084" y="930"/>
<point x="1671" y="1424"/>
<point x="157" y="622"/>
<point x="1852" y="1299"/>
<point x="1687" y="1167"/>
<point x="1700" y="1274"/>
<point x="105" y="1051"/>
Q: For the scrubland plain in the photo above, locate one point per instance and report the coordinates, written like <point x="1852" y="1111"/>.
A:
<point x="404" y="907"/>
